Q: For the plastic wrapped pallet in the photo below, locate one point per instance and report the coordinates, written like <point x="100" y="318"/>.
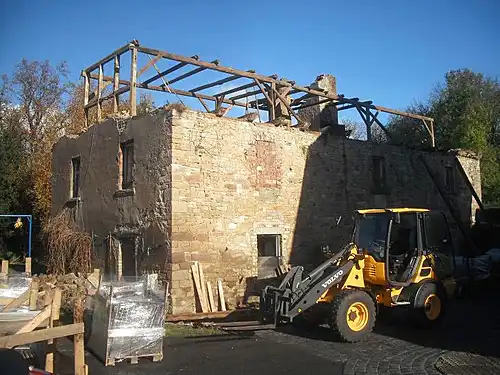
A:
<point x="127" y="320"/>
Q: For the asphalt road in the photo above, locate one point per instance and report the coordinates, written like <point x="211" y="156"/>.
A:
<point x="468" y="343"/>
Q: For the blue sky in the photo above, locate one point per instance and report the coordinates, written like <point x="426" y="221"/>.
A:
<point x="391" y="52"/>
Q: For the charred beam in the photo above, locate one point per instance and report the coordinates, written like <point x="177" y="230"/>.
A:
<point x="149" y="64"/>
<point x="207" y="65"/>
<point x="120" y="91"/>
<point x="191" y="94"/>
<point x="116" y="83"/>
<point x="216" y="83"/>
<point x="300" y="99"/>
<point x="236" y="89"/>
<point x="313" y="104"/>
<point x="188" y="74"/>
<point x="204" y="104"/>
<point x="111" y="56"/>
<point x="285" y="103"/>
<point x="108" y="79"/>
<point x="245" y="95"/>
<point x="168" y="71"/>
<point x="270" y="103"/>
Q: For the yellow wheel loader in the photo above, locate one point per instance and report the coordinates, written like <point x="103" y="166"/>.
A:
<point x="397" y="258"/>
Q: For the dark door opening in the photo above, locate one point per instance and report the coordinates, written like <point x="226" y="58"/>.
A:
<point x="269" y="254"/>
<point x="129" y="256"/>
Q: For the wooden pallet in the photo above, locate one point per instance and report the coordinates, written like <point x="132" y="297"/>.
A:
<point x="41" y="324"/>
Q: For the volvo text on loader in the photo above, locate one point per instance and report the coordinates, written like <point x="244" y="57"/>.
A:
<point x="400" y="258"/>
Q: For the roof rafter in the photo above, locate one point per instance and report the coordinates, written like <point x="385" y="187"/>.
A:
<point x="278" y="93"/>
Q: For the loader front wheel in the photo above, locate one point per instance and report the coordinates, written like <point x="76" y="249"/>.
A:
<point x="352" y="315"/>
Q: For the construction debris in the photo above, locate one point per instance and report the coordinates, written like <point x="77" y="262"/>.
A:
<point x="29" y="315"/>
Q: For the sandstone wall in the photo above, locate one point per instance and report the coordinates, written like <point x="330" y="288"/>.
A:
<point x="206" y="187"/>
<point x="233" y="180"/>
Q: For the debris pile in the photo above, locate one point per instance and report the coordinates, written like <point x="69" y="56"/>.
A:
<point x="73" y="287"/>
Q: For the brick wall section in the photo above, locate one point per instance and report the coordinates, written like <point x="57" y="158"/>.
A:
<point x="232" y="180"/>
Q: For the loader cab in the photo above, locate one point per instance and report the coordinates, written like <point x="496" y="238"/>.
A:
<point x="396" y="241"/>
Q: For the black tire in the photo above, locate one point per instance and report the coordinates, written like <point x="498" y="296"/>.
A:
<point x="350" y="301"/>
<point x="429" y="305"/>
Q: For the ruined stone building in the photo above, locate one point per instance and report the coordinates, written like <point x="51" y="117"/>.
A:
<point x="163" y="189"/>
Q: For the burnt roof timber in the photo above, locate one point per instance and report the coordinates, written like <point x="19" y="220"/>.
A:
<point x="165" y="72"/>
<point x="236" y="89"/>
<point x="189" y="74"/>
<point x="246" y="94"/>
<point x="108" y="58"/>
<point x="215" y="83"/>
<point x="264" y="79"/>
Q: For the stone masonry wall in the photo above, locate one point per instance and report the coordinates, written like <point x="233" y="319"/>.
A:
<point x="142" y="212"/>
<point x="205" y="187"/>
<point x="232" y="180"/>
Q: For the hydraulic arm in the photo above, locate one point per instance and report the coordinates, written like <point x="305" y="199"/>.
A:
<point x="297" y="293"/>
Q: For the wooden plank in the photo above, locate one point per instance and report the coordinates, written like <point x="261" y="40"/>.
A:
<point x="196" y="277"/>
<point x="56" y="305"/>
<point x="204" y="64"/>
<point x="17" y="301"/>
<point x="245" y="95"/>
<point x="236" y="89"/>
<point x="78" y="344"/>
<point x="121" y="90"/>
<point x="198" y="316"/>
<point x="186" y="75"/>
<point x="192" y="94"/>
<point x="36" y="321"/>
<point x="209" y="65"/>
<point x="133" y="82"/>
<point x="203" y="286"/>
<point x="162" y="89"/>
<point x="116" y="83"/>
<point x="221" y="295"/>
<point x="99" y="94"/>
<point x="149" y="64"/>
<point x="33" y="295"/>
<point x="204" y="104"/>
<point x="213" y="307"/>
<point x="268" y="98"/>
<point x="5" y="267"/>
<point x="284" y="101"/>
<point x="109" y="57"/>
<point x="164" y="73"/>
<point x="86" y="91"/>
<point x="40" y="335"/>
<point x="27" y="266"/>
<point x="215" y="83"/>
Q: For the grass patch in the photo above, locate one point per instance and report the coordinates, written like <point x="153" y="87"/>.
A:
<point x="187" y="330"/>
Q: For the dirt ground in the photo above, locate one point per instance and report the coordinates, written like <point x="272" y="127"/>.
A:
<point x="467" y="343"/>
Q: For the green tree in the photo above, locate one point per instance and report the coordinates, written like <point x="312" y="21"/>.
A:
<point x="466" y="112"/>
